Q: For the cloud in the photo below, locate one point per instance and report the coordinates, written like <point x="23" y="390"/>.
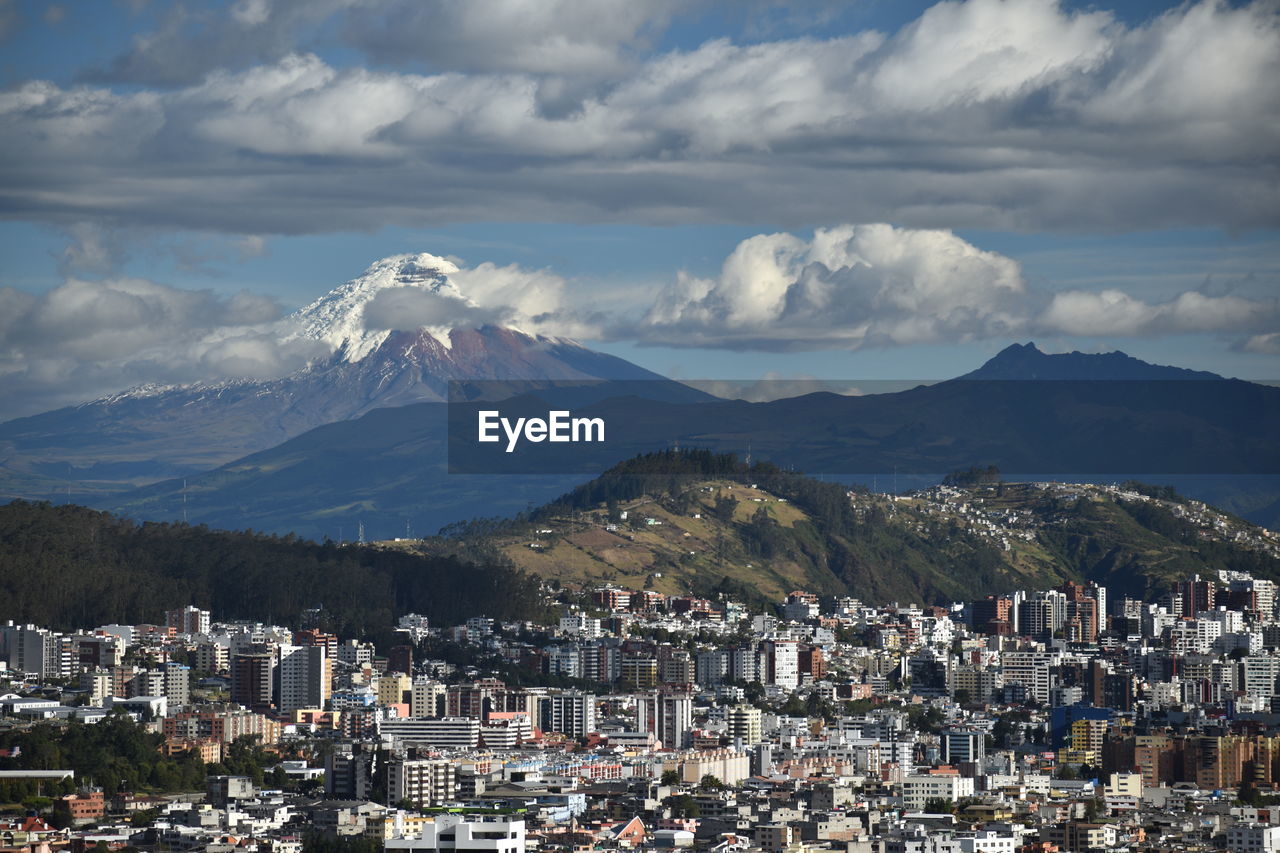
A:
<point x="979" y="114"/>
<point x="848" y="287"/>
<point x="591" y="37"/>
<point x="563" y="37"/>
<point x="87" y="338"/>
<point x="876" y="285"/>
<point x="189" y="43"/>
<point x="92" y="250"/>
<point x="1114" y="312"/>
<point x="96" y="250"/>
<point x="533" y="301"/>
<point x="413" y="308"/>
<point x="1266" y="344"/>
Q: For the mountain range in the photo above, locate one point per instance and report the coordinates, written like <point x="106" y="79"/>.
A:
<point x="394" y="469"/>
<point x="361" y="437"/>
<point x="159" y="432"/>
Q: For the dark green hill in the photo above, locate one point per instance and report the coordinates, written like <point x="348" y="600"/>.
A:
<point x="70" y="567"/>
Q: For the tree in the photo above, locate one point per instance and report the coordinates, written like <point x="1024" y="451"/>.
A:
<point x="144" y="818"/>
<point x="683" y="805"/>
<point x="1002" y="731"/>
<point x="670" y="777"/>
<point x="711" y="783"/>
<point x="724" y="508"/>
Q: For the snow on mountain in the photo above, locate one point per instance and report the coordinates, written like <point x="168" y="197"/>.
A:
<point x="337" y="318"/>
<point x="155" y="432"/>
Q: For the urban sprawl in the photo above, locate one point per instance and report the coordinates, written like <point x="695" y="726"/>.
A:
<point x="1038" y="721"/>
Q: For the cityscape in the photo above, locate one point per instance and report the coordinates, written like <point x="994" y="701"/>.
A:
<point x="578" y="426"/>
<point x="1037" y="720"/>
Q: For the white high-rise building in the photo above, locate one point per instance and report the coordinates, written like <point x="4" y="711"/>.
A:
<point x="303" y="675"/>
<point x="354" y="653"/>
<point x="464" y="832"/>
<point x="426" y="698"/>
<point x="188" y="620"/>
<point x="747" y="664"/>
<point x="27" y="648"/>
<point x="668" y="716"/>
<point x="1261" y="675"/>
<point x="744" y="723"/>
<point x="580" y="625"/>
<point x="711" y="666"/>
<point x="451" y="732"/>
<point x="1030" y="669"/>
<point x="571" y="713"/>
<point x="564" y="661"/>
<point x="177" y="684"/>
<point x="784" y="663"/>
<point x="919" y="790"/>
<point x="98" y="683"/>
<point x="426" y="783"/>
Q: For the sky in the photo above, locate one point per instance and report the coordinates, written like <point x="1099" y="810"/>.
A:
<point x="871" y="189"/>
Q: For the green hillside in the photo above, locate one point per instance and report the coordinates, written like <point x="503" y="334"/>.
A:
<point x="70" y="567"/>
<point x="701" y="522"/>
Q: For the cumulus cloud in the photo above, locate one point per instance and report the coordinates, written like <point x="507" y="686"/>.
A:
<point x="848" y="287"/>
<point x="979" y="114"/>
<point x="87" y="338"/>
<point x="854" y="286"/>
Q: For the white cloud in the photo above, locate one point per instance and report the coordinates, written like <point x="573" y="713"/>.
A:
<point x="1265" y="344"/>
<point x="980" y="114"/>
<point x="853" y="286"/>
<point x="413" y="308"/>
<point x="91" y="250"/>
<point x="533" y="301"/>
<point x="87" y="338"/>
<point x="576" y="38"/>
<point x="1114" y="312"/>
<point x="850" y="286"/>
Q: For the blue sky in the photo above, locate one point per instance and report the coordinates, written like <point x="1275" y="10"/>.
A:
<point x="840" y="190"/>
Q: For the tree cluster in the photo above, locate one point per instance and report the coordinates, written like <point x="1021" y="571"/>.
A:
<point x="67" y="567"/>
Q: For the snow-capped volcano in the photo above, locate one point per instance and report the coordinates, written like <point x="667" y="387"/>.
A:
<point x="158" y="432"/>
<point x="338" y="318"/>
